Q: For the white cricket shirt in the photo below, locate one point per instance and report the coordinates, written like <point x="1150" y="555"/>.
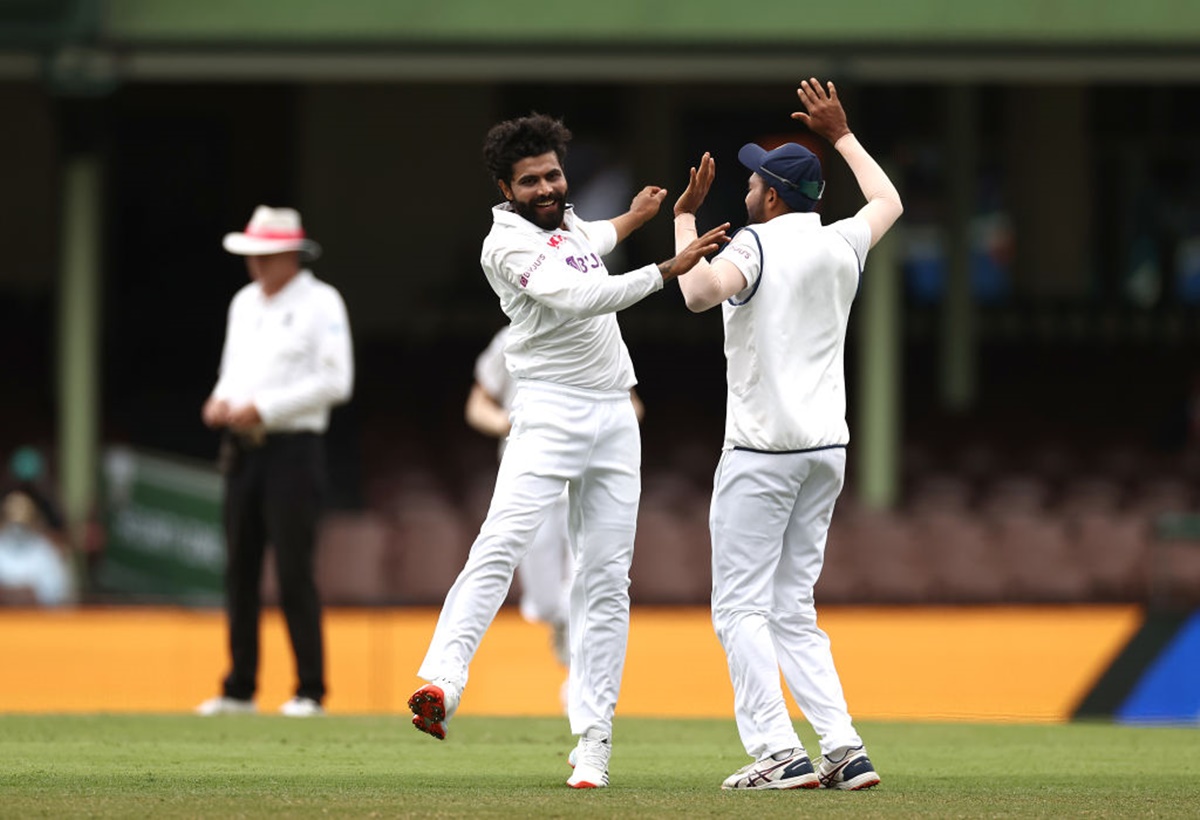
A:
<point x="560" y="300"/>
<point x="290" y="354"/>
<point x="785" y="333"/>
<point x="491" y="371"/>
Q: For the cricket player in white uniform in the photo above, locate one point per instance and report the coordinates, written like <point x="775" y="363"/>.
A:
<point x="573" y="426"/>
<point x="785" y="284"/>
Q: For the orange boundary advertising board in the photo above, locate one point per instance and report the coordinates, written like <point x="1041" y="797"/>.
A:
<point x="1027" y="664"/>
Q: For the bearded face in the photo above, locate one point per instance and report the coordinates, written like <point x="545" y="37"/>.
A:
<point x="546" y="212"/>
<point x="538" y="190"/>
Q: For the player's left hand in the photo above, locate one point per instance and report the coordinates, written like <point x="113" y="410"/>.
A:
<point x="699" y="182"/>
<point x="825" y="114"/>
<point x="244" y="417"/>
<point x="647" y="202"/>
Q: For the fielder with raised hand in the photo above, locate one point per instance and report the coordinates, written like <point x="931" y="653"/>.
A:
<point x="785" y="284"/>
<point x="573" y="426"/>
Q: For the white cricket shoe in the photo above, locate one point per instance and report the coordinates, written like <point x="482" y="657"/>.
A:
<point x="590" y="759"/>
<point x="433" y="705"/>
<point x="301" y="707"/>
<point x="850" y="772"/>
<point x="222" y="705"/>
<point x="788" y="769"/>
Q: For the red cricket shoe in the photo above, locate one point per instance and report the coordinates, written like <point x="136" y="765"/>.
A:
<point x="428" y="705"/>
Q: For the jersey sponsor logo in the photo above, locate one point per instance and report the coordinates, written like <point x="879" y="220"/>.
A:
<point x="528" y="272"/>
<point x="740" y="250"/>
<point x="556" y="240"/>
<point x="585" y="263"/>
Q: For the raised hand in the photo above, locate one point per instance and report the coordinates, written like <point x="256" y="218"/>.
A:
<point x="825" y="115"/>
<point x="699" y="183"/>
<point x="647" y="202"/>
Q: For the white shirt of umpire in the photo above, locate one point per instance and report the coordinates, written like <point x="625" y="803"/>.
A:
<point x="781" y="472"/>
<point x="290" y="354"/>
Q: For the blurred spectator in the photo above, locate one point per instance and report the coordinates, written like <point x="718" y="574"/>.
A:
<point x="33" y="571"/>
<point x="27" y="475"/>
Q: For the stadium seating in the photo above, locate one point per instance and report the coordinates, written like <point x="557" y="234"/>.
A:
<point x="979" y="521"/>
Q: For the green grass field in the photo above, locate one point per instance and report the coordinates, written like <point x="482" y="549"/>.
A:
<point x="181" y="766"/>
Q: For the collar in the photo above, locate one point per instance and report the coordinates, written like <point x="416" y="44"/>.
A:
<point x="294" y="285"/>
<point x="796" y="220"/>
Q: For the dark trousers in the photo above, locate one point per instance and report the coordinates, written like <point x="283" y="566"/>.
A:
<point x="273" y="495"/>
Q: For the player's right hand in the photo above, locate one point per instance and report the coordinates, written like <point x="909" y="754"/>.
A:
<point x="695" y="250"/>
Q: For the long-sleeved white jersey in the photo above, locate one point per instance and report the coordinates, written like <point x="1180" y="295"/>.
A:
<point x="560" y="300"/>
<point x="290" y="354"/>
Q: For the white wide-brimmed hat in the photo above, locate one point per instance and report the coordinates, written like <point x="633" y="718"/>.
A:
<point x="272" y="230"/>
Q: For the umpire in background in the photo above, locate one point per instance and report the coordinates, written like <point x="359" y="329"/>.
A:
<point x="287" y="360"/>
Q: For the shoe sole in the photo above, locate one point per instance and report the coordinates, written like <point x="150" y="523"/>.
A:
<point x="586" y="784"/>
<point x="779" y="786"/>
<point x="855" y="784"/>
<point x="225" y="709"/>
<point x="428" y="705"/>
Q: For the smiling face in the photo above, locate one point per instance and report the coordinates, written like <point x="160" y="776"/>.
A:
<point x="538" y="190"/>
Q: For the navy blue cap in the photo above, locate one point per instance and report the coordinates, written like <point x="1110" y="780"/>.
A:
<point x="792" y="170"/>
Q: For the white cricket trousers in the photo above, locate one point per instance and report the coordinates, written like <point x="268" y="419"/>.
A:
<point x="769" y="519"/>
<point x="545" y="571"/>
<point x="561" y="437"/>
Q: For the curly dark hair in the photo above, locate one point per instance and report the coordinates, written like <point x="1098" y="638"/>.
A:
<point x="511" y="141"/>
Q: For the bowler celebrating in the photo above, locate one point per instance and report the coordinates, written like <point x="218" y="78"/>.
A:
<point x="573" y="426"/>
